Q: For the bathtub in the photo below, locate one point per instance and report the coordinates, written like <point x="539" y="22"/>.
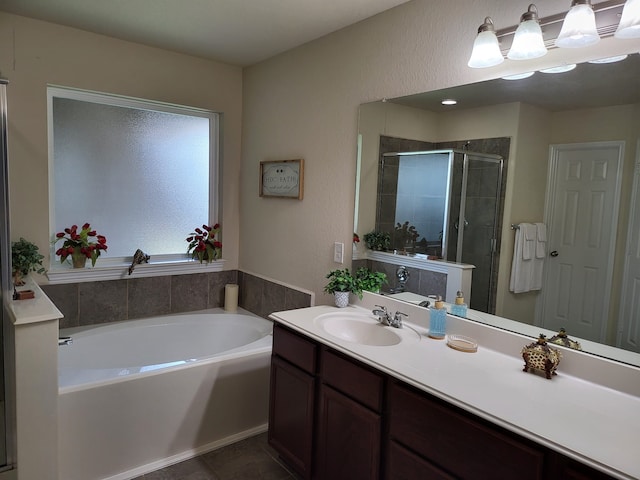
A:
<point x="138" y="395"/>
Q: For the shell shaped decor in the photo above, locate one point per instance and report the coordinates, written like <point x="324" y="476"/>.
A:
<point x="538" y="356"/>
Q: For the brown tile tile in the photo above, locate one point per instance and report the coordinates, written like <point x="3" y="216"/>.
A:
<point x="148" y="296"/>
<point x="189" y="292"/>
<point x="217" y="282"/>
<point x="101" y="302"/>
<point x="251" y="293"/>
<point x="273" y="297"/>
<point x="296" y="299"/>
<point x="65" y="298"/>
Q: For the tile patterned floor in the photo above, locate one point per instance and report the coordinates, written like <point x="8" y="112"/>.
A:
<point x="250" y="459"/>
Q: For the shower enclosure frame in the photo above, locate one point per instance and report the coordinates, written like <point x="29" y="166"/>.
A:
<point x="460" y="222"/>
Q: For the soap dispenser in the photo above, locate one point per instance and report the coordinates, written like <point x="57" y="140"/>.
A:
<point x="437" y="319"/>
<point x="459" y="308"/>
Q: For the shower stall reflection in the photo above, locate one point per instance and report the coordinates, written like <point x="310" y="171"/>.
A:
<point x="444" y="204"/>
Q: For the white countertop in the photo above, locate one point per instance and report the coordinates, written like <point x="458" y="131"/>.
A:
<point x="594" y="424"/>
<point x="32" y="310"/>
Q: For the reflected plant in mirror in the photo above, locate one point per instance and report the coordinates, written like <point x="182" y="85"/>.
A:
<point x="503" y="118"/>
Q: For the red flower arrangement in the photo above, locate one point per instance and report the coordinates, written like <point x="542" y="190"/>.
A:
<point x="78" y="244"/>
<point x="204" y="244"/>
<point x="356" y="238"/>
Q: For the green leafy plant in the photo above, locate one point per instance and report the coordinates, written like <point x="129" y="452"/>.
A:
<point x="80" y="243"/>
<point x="369" y="280"/>
<point x="204" y="244"/>
<point x="25" y="258"/>
<point x="342" y="281"/>
<point x="377" y="240"/>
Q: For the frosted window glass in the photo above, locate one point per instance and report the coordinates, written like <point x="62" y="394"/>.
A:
<point x="421" y="197"/>
<point x="141" y="177"/>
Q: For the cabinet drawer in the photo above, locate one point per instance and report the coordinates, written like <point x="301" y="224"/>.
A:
<point x="355" y="380"/>
<point x="459" y="443"/>
<point x="294" y="348"/>
<point x="405" y="465"/>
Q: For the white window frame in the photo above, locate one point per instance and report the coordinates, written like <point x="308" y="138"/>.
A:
<point x="117" y="268"/>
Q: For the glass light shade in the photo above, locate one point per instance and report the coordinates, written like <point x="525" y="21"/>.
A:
<point x="527" y="42"/>
<point x="560" y="68"/>
<point x="486" y="51"/>
<point x="629" y="26"/>
<point x="518" y="76"/>
<point x="579" y="27"/>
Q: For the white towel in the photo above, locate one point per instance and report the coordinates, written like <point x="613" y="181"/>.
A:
<point x="541" y="240"/>
<point x="526" y="268"/>
<point x="529" y="244"/>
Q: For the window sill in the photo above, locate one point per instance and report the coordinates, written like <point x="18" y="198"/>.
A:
<point x="120" y="271"/>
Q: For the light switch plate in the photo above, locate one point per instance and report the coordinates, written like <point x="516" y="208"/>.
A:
<point x="338" y="252"/>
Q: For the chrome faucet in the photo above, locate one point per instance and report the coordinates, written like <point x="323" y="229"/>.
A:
<point x="65" y="341"/>
<point x="138" y="258"/>
<point x="383" y="315"/>
<point x="385" y="318"/>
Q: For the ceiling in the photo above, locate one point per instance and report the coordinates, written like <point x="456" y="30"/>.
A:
<point x="238" y="32"/>
<point x="587" y="86"/>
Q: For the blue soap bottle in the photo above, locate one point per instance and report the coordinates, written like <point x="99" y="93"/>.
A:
<point x="459" y="308"/>
<point x="437" y="320"/>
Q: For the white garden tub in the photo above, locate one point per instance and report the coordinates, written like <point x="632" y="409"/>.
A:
<point x="142" y="394"/>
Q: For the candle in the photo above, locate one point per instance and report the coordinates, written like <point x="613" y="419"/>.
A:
<point x="231" y="297"/>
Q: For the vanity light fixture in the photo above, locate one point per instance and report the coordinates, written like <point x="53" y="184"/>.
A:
<point x="579" y="26"/>
<point x="527" y="41"/>
<point x="486" y="50"/>
<point x="605" y="18"/>
<point x="449" y="101"/>
<point x="629" y="26"/>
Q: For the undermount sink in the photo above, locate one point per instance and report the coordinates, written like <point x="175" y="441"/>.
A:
<point x="358" y="328"/>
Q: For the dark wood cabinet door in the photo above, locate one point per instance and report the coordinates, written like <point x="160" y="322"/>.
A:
<point x="291" y="411"/>
<point x="458" y="442"/>
<point x="348" y="439"/>
<point x="405" y="465"/>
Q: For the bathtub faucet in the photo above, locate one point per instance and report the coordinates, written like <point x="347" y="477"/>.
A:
<point x="65" y="341"/>
<point x="138" y="258"/>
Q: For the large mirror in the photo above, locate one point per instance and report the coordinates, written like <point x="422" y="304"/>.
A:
<point x="594" y="106"/>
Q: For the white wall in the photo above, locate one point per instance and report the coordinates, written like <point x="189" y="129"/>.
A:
<point x="304" y="103"/>
<point x="34" y="54"/>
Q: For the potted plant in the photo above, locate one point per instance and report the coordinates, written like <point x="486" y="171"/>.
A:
<point x="25" y="258"/>
<point x="203" y="244"/>
<point x="369" y="280"/>
<point x="377" y="240"/>
<point x="80" y="246"/>
<point x="341" y="284"/>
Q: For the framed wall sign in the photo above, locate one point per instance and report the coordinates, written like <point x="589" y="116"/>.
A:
<point x="282" y="178"/>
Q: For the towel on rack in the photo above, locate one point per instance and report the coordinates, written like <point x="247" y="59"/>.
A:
<point x="529" y="245"/>
<point x="526" y="268"/>
<point x="541" y="240"/>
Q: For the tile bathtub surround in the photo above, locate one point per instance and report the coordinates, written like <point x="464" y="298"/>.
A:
<point x="93" y="303"/>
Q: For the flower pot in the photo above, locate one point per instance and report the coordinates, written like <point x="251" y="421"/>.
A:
<point x="341" y="299"/>
<point x="78" y="259"/>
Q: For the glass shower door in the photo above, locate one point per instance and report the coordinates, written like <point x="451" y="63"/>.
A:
<point x="478" y="227"/>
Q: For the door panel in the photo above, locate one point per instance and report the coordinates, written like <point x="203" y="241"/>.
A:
<point x="581" y="213"/>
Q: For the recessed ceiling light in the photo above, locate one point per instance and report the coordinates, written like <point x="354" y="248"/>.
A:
<point x="518" y="76"/>
<point x="560" y="68"/>
<point x="617" y="58"/>
<point x="449" y="101"/>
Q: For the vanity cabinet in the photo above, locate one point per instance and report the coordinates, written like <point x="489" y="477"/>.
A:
<point x="292" y="399"/>
<point x="332" y="417"/>
<point x="349" y="419"/>
<point x="324" y="422"/>
<point x="454" y="444"/>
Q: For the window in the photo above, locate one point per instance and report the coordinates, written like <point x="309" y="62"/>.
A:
<point x="142" y="173"/>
